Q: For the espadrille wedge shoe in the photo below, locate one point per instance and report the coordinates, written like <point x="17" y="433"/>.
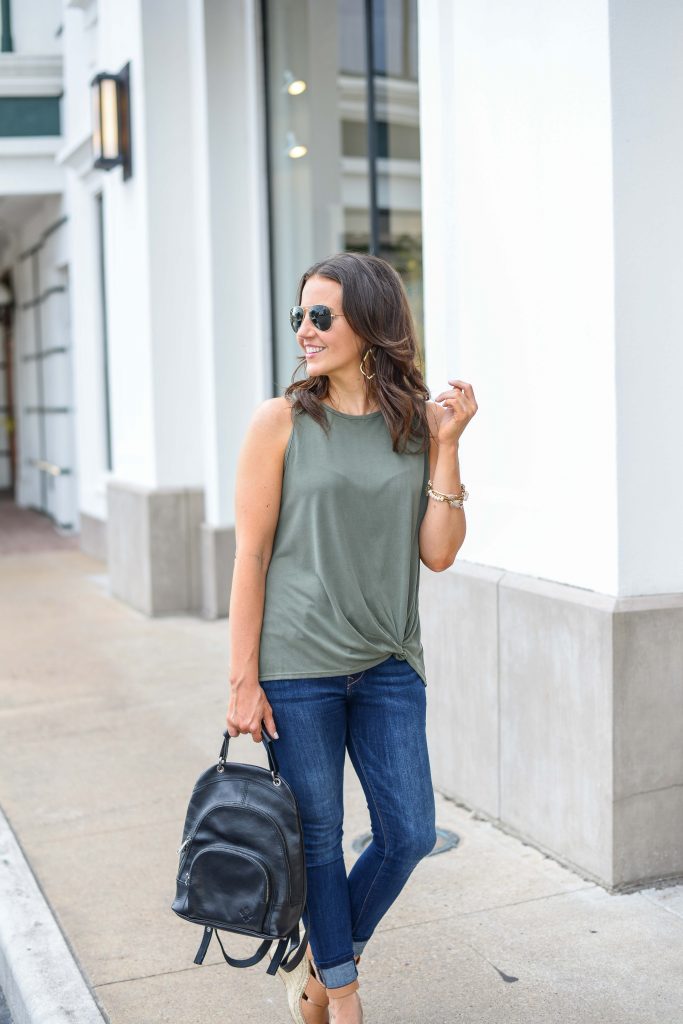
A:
<point x="306" y="995"/>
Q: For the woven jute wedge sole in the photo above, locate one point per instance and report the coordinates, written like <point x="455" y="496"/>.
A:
<point x="295" y="984"/>
<point x="307" y="997"/>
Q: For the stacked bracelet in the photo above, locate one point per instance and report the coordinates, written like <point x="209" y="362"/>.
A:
<point x="454" y="500"/>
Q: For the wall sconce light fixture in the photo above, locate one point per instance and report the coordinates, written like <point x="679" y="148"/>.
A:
<point x="111" y="138"/>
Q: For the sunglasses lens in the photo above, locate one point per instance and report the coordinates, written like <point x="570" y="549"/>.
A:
<point x="321" y="317"/>
<point x="296" y="317"/>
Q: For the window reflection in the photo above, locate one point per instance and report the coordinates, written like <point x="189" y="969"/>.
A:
<point x="316" y="68"/>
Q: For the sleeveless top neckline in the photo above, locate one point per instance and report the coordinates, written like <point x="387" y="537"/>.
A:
<point x="353" y="415"/>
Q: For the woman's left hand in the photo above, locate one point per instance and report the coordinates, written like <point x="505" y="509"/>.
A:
<point x="460" y="406"/>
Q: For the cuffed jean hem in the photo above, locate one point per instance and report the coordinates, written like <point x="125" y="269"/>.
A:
<point x="342" y="974"/>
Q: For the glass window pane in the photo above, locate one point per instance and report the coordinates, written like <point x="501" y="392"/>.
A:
<point x="398" y="146"/>
<point x="316" y="76"/>
<point x="319" y="197"/>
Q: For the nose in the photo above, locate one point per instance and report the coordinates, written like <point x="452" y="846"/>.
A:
<point x="307" y="330"/>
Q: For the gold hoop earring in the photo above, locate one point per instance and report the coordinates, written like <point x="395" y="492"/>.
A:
<point x="370" y="376"/>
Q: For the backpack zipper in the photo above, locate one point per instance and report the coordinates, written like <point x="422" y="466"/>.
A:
<point x="241" y="853"/>
<point x="253" y="810"/>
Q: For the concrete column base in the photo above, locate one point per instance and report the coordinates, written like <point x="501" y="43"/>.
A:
<point x="558" y="713"/>
<point x="154" y="547"/>
<point x="93" y="536"/>
<point x="217" y="558"/>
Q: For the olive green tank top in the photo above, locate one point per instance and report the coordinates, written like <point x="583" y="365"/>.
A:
<point x="342" y="583"/>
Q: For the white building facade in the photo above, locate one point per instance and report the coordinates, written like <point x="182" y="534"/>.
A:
<point x="519" y="165"/>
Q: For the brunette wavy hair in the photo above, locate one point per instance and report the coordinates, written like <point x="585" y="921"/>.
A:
<point x="375" y="305"/>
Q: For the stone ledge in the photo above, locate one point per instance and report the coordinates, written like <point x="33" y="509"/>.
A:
<point x="557" y="712"/>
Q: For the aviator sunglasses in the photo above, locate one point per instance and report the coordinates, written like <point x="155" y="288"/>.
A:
<point x="321" y="317"/>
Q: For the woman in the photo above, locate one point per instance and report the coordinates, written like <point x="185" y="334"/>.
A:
<point x="332" y="520"/>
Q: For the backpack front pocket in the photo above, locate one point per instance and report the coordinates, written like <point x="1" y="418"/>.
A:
<point x="228" y="885"/>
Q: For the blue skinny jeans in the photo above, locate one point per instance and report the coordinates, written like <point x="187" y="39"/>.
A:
<point x="379" y="716"/>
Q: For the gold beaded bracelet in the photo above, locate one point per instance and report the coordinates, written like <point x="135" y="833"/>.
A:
<point x="454" y="500"/>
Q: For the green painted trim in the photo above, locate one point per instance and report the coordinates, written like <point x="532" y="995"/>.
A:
<point x="7" y="46"/>
<point x="29" y="116"/>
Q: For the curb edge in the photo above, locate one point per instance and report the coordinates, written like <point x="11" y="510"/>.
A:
<point x="42" y="980"/>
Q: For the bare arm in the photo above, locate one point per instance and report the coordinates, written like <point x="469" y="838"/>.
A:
<point x="246" y="616"/>
<point x="443" y="529"/>
<point x="257" y="507"/>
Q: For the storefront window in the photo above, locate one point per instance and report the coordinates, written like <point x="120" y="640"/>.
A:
<point x="344" y="161"/>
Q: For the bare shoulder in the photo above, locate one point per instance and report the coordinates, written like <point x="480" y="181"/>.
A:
<point x="282" y="405"/>
<point x="258" y="483"/>
<point x="274" y="410"/>
<point x="260" y="466"/>
<point x="271" y="425"/>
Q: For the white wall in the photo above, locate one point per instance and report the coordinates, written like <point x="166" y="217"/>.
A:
<point x="35" y="25"/>
<point x="519" y="290"/>
<point x="171" y="254"/>
<point x="127" y="254"/>
<point x="186" y="246"/>
<point x="105" y="37"/>
<point x="79" y="65"/>
<point x="233" y="304"/>
<point x="647" y="86"/>
<point x="82" y="184"/>
<point x="149" y="248"/>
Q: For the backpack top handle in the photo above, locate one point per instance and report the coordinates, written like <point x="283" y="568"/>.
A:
<point x="267" y="741"/>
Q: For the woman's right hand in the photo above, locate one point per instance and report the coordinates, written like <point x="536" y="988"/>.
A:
<point x="248" y="708"/>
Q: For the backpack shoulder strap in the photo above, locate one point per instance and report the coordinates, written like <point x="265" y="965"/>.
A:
<point x="288" y="962"/>
<point x="249" y="962"/>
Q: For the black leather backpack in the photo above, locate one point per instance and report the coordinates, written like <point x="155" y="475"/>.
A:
<point x="242" y="863"/>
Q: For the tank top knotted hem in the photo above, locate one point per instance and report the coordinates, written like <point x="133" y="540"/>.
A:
<point x="416" y="664"/>
<point x="342" y="588"/>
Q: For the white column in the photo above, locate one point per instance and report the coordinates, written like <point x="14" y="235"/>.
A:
<point x="647" y="93"/>
<point x="233" y="282"/>
<point x="171" y="244"/>
<point x="233" y="311"/>
<point x="519" y="293"/>
<point x="155" y="498"/>
<point x="128" y="252"/>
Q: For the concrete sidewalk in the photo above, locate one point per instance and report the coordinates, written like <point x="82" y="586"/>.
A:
<point x="106" y="720"/>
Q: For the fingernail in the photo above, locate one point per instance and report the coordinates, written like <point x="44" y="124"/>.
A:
<point x="276" y="736"/>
